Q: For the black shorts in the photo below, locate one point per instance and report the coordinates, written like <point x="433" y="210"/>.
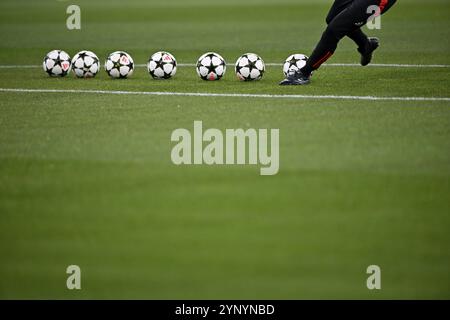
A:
<point x="354" y="13"/>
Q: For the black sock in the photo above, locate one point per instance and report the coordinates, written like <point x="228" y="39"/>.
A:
<point x="323" y="51"/>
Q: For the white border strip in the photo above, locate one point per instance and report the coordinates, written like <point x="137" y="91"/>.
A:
<point x="374" y="65"/>
<point x="229" y="95"/>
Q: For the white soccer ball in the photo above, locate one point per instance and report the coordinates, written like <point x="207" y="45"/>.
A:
<point x="211" y="66"/>
<point x="250" y="67"/>
<point x="294" y="63"/>
<point x="119" y="65"/>
<point x="162" y="65"/>
<point x="85" y="64"/>
<point x="57" y="63"/>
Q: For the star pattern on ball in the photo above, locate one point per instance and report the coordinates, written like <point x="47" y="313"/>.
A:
<point x="214" y="69"/>
<point x="293" y="61"/>
<point x="114" y="65"/>
<point x="250" y="65"/>
<point x="58" y="61"/>
<point x="211" y="68"/>
<point x="82" y="56"/>
<point x="160" y="64"/>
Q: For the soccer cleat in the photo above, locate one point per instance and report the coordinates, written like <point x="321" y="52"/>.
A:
<point x="296" y="78"/>
<point x="366" y="55"/>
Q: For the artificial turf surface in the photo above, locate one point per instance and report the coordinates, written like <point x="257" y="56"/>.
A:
<point x="87" y="179"/>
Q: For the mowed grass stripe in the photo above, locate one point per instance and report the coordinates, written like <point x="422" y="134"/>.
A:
<point x="228" y="95"/>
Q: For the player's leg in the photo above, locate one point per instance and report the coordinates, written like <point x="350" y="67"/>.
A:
<point x="337" y="7"/>
<point x="335" y="31"/>
<point x="359" y="37"/>
<point x="364" y="43"/>
<point x="367" y="47"/>
<point x="346" y="22"/>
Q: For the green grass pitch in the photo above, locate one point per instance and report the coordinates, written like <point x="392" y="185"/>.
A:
<point x="86" y="179"/>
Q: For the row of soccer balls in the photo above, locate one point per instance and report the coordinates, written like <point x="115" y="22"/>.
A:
<point x="162" y="65"/>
